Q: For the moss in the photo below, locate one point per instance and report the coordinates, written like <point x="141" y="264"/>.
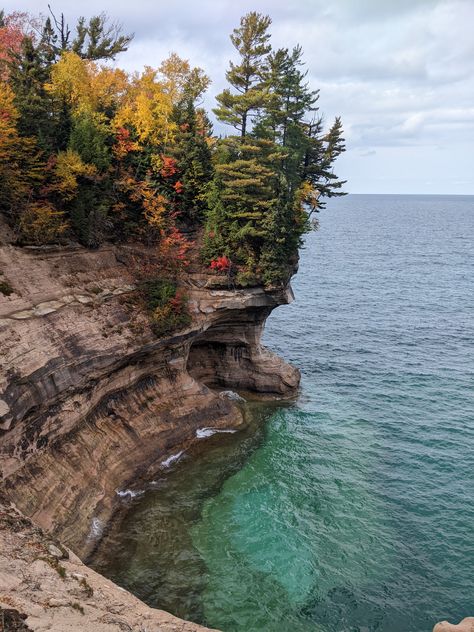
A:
<point x="5" y="288"/>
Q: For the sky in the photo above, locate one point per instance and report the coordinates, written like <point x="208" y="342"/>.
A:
<point x="400" y="73"/>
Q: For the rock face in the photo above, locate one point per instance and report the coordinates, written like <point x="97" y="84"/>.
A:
<point x="90" y="399"/>
<point x="43" y="591"/>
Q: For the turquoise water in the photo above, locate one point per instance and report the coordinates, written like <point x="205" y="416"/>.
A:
<point x="353" y="508"/>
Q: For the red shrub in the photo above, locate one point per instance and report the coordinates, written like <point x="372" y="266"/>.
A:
<point x="221" y="264"/>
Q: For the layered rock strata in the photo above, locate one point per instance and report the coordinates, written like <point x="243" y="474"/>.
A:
<point x="90" y="399"/>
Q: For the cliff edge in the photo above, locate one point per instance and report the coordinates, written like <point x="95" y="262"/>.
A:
<point x="91" y="399"/>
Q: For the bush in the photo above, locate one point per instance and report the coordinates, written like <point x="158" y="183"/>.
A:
<point x="166" y="304"/>
<point x="41" y="223"/>
<point x="5" y="288"/>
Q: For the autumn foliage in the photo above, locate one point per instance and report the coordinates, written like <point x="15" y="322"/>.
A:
<point x="90" y="152"/>
<point x="221" y="264"/>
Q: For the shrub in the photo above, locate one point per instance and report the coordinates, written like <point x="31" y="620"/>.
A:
<point x="41" y="223"/>
<point x="5" y="288"/>
<point x="221" y="264"/>
<point x="166" y="304"/>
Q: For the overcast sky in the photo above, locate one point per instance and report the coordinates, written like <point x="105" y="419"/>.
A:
<point x="399" y="72"/>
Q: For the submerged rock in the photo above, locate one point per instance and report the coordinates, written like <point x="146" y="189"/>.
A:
<point x="466" y="625"/>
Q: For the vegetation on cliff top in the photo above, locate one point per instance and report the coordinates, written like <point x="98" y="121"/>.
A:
<point x="90" y="152"/>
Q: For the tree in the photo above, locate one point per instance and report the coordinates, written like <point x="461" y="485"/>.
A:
<point x="28" y="75"/>
<point x="248" y="77"/>
<point x="192" y="151"/>
<point x="322" y="150"/>
<point x="97" y="39"/>
<point x="13" y="28"/>
<point x="21" y="168"/>
<point x="291" y="102"/>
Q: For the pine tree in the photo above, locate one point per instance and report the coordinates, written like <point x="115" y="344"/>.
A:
<point x="248" y="77"/>
<point x="90" y="139"/>
<point x="94" y="40"/>
<point x="321" y="152"/>
<point x="28" y="75"/>
<point x="194" y="161"/>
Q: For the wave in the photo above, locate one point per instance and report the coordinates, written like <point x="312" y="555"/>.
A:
<point x="129" y="493"/>
<point x="171" y="459"/>
<point x="96" y="530"/>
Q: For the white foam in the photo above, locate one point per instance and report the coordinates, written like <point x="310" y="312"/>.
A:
<point x="202" y="433"/>
<point x="129" y="493"/>
<point x="171" y="459"/>
<point x="231" y="395"/>
<point x="97" y="528"/>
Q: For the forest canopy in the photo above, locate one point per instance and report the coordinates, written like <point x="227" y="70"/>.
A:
<point x="89" y="152"/>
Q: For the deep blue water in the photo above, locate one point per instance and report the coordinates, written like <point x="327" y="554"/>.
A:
<point x="353" y="508"/>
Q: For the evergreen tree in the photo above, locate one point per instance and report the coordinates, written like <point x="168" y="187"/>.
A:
<point x="90" y="139"/>
<point x="320" y="155"/>
<point x="270" y="180"/>
<point x="194" y="160"/>
<point x="248" y="77"/>
<point x="97" y="39"/>
<point x="28" y="76"/>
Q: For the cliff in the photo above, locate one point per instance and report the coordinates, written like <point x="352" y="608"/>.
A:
<point x="91" y="399"/>
<point x="44" y="586"/>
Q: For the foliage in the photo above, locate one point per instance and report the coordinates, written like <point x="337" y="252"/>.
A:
<point x="91" y="152"/>
<point x="21" y="169"/>
<point x="41" y="223"/>
<point x="166" y="304"/>
<point x="221" y="264"/>
<point x="14" y="27"/>
<point x="5" y="288"/>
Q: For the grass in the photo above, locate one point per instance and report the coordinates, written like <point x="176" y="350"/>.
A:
<point x="87" y="587"/>
<point x="77" y="606"/>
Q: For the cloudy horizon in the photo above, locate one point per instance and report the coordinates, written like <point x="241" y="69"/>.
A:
<point x="398" y="72"/>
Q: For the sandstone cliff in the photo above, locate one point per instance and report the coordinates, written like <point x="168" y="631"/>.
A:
<point x="90" y="399"/>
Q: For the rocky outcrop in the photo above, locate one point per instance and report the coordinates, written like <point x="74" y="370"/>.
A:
<point x="466" y="625"/>
<point x="92" y="401"/>
<point x="44" y="586"/>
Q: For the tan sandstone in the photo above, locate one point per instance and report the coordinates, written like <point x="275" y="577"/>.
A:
<point x="91" y="400"/>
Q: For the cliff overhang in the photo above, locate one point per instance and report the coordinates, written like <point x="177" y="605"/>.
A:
<point x="91" y="399"/>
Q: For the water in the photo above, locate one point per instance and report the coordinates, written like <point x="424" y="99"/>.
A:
<point x="352" y="509"/>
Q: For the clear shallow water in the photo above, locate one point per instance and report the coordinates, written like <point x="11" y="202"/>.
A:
<point x="353" y="509"/>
